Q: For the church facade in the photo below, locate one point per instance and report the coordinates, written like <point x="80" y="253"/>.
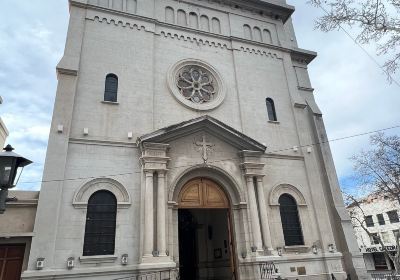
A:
<point x="181" y="144"/>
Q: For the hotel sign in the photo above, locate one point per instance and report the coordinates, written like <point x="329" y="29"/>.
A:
<point x="381" y="249"/>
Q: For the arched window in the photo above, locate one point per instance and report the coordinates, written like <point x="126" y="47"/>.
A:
<point x="257" y="34"/>
<point x="216" y="26"/>
<point x="247" y="32"/>
<point x="169" y="15"/>
<point x="182" y="18"/>
<point x="292" y="231"/>
<point x="205" y="23"/>
<point x="100" y="224"/>
<point x="267" y="36"/>
<point x="111" y="88"/>
<point x="193" y="20"/>
<point x="271" y="109"/>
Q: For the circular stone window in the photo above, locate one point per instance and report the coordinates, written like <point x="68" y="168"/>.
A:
<point x="196" y="84"/>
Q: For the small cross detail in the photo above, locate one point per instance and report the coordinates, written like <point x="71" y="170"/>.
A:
<point x="204" y="147"/>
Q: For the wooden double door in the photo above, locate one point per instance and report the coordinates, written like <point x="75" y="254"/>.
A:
<point x="11" y="260"/>
<point x="206" y="248"/>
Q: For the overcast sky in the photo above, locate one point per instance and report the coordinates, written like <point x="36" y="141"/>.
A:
<point x="351" y="90"/>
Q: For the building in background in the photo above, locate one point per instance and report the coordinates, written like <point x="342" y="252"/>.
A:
<point x="3" y="129"/>
<point x="16" y="232"/>
<point x="381" y="216"/>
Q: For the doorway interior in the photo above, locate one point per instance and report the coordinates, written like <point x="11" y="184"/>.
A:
<point x="205" y="239"/>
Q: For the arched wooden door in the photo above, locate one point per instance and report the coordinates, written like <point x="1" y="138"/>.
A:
<point x="205" y="214"/>
<point x="202" y="194"/>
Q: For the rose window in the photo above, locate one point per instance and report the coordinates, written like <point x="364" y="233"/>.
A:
<point x="196" y="84"/>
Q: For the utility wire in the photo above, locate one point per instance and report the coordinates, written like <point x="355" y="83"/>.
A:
<point x="363" y="49"/>
<point x="215" y="161"/>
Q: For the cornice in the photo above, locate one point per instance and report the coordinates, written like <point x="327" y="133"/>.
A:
<point x="102" y="142"/>
<point x="282" y="156"/>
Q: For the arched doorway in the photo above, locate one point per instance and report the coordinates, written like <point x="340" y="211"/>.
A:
<point x="205" y="232"/>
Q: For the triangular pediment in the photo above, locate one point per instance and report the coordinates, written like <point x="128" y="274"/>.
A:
<point x="206" y="124"/>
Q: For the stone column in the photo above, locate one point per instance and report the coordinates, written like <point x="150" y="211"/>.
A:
<point x="148" y="216"/>
<point x="161" y="206"/>
<point x="263" y="214"/>
<point x="255" y="221"/>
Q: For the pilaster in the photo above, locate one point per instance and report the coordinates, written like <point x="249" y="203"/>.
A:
<point x="154" y="162"/>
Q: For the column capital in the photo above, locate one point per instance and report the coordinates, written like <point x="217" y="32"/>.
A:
<point x="259" y="177"/>
<point x="148" y="172"/>
<point x="161" y="172"/>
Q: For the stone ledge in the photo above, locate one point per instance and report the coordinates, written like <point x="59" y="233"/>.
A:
<point x="98" y="259"/>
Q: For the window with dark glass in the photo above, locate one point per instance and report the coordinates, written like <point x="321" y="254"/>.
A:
<point x="292" y="230"/>
<point x="271" y="109"/>
<point x="100" y="224"/>
<point x="374" y="238"/>
<point x="369" y="221"/>
<point x="111" y="88"/>
<point x="381" y="220"/>
<point x="393" y="216"/>
<point x="379" y="261"/>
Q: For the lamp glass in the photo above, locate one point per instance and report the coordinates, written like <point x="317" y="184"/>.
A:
<point x="7" y="174"/>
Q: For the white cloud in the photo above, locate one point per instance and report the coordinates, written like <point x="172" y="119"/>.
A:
<point x="350" y="89"/>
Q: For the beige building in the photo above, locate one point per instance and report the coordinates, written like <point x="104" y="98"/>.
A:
<point x="179" y="141"/>
<point x="16" y="232"/>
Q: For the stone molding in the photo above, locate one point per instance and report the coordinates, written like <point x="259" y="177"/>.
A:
<point x="85" y="141"/>
<point x="83" y="194"/>
<point x="280" y="189"/>
<point x="98" y="259"/>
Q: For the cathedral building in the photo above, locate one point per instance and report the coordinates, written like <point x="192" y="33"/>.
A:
<point x="181" y="145"/>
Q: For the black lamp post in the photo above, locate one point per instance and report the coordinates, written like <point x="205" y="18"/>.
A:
<point x="11" y="165"/>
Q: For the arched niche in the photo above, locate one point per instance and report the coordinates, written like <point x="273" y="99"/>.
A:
<point x="280" y="189"/>
<point x="216" y="174"/>
<point x="83" y="194"/>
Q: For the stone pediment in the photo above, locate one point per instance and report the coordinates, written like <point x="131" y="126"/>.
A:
<point x="206" y="124"/>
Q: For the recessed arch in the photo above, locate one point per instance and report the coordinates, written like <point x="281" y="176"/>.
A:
<point x="83" y="194"/>
<point x="231" y="188"/>
<point x="281" y="189"/>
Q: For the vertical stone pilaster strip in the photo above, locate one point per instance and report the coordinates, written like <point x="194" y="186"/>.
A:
<point x="255" y="221"/>
<point x="263" y="214"/>
<point x="149" y="214"/>
<point x="161" y="207"/>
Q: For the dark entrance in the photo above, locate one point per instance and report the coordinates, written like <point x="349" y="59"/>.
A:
<point x="205" y="239"/>
<point x="205" y="250"/>
<point x="11" y="259"/>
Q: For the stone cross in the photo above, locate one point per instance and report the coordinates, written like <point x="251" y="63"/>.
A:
<point x="204" y="147"/>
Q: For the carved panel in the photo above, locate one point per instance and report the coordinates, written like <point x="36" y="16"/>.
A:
<point x="202" y="193"/>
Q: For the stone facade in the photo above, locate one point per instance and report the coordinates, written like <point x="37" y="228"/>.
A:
<point x="158" y="136"/>
<point x="378" y="209"/>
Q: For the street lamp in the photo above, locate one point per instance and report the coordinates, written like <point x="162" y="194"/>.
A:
<point x="11" y="165"/>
